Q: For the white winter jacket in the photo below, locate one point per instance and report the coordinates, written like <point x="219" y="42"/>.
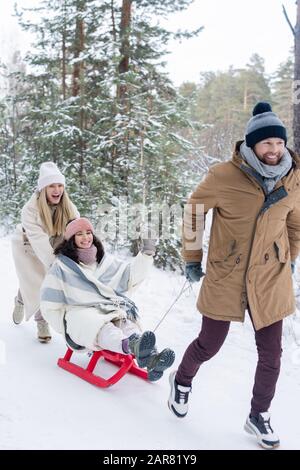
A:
<point x="33" y="255"/>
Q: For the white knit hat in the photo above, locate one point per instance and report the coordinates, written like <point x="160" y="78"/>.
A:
<point x="49" y="174"/>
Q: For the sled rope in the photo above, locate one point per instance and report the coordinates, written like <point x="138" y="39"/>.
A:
<point x="184" y="288"/>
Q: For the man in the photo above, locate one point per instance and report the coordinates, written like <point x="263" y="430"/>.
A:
<point x="254" y="242"/>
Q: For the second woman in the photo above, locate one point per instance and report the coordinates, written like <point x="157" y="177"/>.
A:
<point x="43" y="221"/>
<point x="83" y="298"/>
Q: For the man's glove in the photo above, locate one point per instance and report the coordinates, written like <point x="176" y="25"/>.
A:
<point x="193" y="271"/>
<point x="148" y="246"/>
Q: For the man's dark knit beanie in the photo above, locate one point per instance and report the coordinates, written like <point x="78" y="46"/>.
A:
<point x="264" y="124"/>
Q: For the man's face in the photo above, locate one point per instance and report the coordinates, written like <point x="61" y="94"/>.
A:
<point x="270" y="151"/>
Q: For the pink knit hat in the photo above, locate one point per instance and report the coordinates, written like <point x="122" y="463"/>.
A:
<point x="76" y="226"/>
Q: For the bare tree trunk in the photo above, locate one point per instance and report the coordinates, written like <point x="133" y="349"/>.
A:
<point x="64" y="66"/>
<point x="79" y="46"/>
<point x="78" y="79"/>
<point x="114" y="31"/>
<point x="122" y="91"/>
<point x="125" y="45"/>
<point x="63" y="47"/>
<point x="296" y="120"/>
<point x="13" y="152"/>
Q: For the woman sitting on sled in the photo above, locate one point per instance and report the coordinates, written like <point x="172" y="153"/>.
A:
<point x="83" y="298"/>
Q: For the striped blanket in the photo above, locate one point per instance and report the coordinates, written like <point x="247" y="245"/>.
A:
<point x="74" y="293"/>
<point x="68" y="284"/>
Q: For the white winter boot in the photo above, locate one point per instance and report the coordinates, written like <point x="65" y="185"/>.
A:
<point x="261" y="428"/>
<point x="18" y="313"/>
<point x="179" y="397"/>
<point x="43" y="331"/>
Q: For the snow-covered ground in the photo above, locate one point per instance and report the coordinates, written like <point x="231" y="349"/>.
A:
<point x="44" y="407"/>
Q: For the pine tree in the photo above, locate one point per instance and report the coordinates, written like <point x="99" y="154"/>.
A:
<point x="11" y="147"/>
<point x="224" y="104"/>
<point x="98" y="102"/>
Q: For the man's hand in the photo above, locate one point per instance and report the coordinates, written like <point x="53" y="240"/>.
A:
<point x="193" y="271"/>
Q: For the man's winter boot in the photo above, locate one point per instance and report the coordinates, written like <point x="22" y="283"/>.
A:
<point x="18" y="313"/>
<point x="261" y="428"/>
<point x="159" y="362"/>
<point x="142" y="347"/>
<point x="43" y="331"/>
<point x="179" y="396"/>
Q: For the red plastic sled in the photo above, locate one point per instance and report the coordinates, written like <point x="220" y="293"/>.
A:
<point x="125" y="362"/>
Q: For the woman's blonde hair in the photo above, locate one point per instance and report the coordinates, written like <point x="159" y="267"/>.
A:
<point x="55" y="224"/>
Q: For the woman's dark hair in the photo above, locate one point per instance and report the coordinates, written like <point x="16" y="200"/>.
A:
<point x="69" y="249"/>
